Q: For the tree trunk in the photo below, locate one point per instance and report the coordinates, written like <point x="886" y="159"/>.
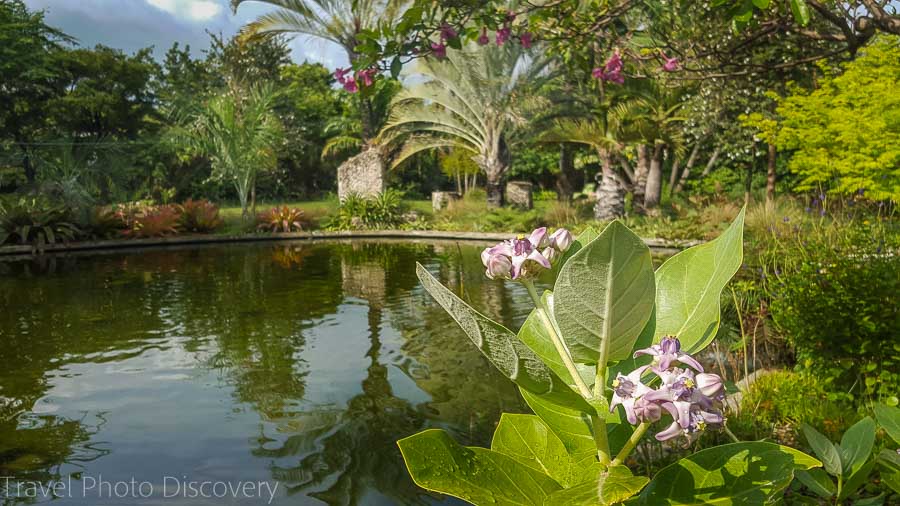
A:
<point x="640" y="178"/>
<point x="610" y="192"/>
<point x="253" y="199"/>
<point x="565" y="182"/>
<point x="748" y="181"/>
<point x="30" y="174"/>
<point x="458" y="182"/>
<point x="494" y="192"/>
<point x="712" y="162"/>
<point x="654" y="179"/>
<point x="673" y="174"/>
<point x="770" y="175"/>
<point x="687" y="167"/>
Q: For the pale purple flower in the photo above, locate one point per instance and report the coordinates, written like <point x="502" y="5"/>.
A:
<point x="484" y="40"/>
<point x="561" y="239"/>
<point x="550" y="253"/>
<point x="667" y="352"/>
<point x="439" y="50"/>
<point x="626" y="390"/>
<point x="498" y="267"/>
<point x="526" y="256"/>
<point x="710" y="385"/>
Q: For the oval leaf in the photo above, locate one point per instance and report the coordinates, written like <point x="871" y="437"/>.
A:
<point x="500" y="345"/>
<point x="436" y="462"/>
<point x="889" y="419"/>
<point x="606" y="487"/>
<point x="604" y="295"/>
<point x="824" y="449"/>
<point x="571" y="426"/>
<point x="528" y="440"/>
<point x="856" y="445"/>
<point x="750" y="473"/>
<point x="689" y="285"/>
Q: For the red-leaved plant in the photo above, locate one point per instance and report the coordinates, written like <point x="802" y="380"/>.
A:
<point x="158" y="221"/>
<point x="281" y="219"/>
<point x="201" y="216"/>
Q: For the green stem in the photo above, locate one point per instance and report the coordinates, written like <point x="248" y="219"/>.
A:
<point x="597" y="420"/>
<point x="557" y="341"/>
<point x="731" y="434"/>
<point x="737" y="308"/>
<point x="630" y="444"/>
<point x="601" y="439"/>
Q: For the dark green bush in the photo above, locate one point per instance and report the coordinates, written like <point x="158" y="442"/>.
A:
<point x="839" y="310"/>
<point x="35" y="220"/>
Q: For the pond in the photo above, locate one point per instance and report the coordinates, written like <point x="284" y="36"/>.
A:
<point x="291" y="364"/>
<point x="272" y="373"/>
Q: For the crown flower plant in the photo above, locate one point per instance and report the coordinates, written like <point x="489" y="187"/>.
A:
<point x="606" y="358"/>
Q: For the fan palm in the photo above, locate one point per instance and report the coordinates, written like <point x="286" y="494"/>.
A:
<point x="654" y="118"/>
<point x="470" y="100"/>
<point x="239" y="133"/>
<point x="337" y="21"/>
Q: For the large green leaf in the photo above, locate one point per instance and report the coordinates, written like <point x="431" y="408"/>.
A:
<point x="604" y="295"/>
<point x="606" y="487"/>
<point x="571" y="426"/>
<point x="856" y="445"/>
<point x="817" y="481"/>
<point x="535" y="336"/>
<point x="750" y="473"/>
<point x="889" y="419"/>
<point x="824" y="449"/>
<point x="501" y="346"/>
<point x="856" y="480"/>
<point x="478" y="475"/>
<point x="890" y="459"/>
<point x="800" y="11"/>
<point x="892" y="480"/>
<point x="529" y="440"/>
<point x="689" y="286"/>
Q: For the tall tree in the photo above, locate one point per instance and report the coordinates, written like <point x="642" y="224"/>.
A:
<point x="28" y="76"/>
<point x="470" y="100"/>
<point x="239" y="133"/>
<point x="343" y="22"/>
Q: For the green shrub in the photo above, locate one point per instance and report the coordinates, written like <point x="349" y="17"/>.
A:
<point x="776" y="404"/>
<point x="103" y="223"/>
<point x="201" y="216"/>
<point x="383" y="211"/>
<point x="35" y="220"/>
<point x="839" y="311"/>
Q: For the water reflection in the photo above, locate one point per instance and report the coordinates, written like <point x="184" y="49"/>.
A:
<point x="299" y="363"/>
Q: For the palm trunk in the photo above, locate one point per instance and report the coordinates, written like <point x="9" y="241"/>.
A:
<point x="565" y="182"/>
<point x="770" y="175"/>
<point x="494" y="188"/>
<point x="610" y="194"/>
<point x="712" y="162"/>
<point x="654" y="179"/>
<point x="640" y="179"/>
<point x="458" y="182"/>
<point x="687" y="168"/>
<point x="673" y="174"/>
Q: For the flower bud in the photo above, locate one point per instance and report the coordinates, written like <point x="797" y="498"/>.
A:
<point x="710" y="385"/>
<point x="647" y="411"/>
<point x="550" y="254"/>
<point x="498" y="266"/>
<point x="561" y="239"/>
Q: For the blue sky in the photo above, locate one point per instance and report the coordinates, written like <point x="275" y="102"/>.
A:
<point x="133" y="24"/>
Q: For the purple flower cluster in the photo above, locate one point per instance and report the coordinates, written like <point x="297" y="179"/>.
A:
<point x="611" y="71"/>
<point x="525" y="257"/>
<point x="692" y="399"/>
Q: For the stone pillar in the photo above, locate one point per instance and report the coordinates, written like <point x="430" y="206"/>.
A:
<point x="440" y="200"/>
<point x="363" y="175"/>
<point x="518" y="194"/>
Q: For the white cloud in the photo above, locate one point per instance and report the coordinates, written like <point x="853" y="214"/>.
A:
<point x="194" y="10"/>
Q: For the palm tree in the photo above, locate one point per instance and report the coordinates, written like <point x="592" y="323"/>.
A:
<point x="238" y="131"/>
<point x="653" y="117"/>
<point x="470" y="100"/>
<point x="337" y="21"/>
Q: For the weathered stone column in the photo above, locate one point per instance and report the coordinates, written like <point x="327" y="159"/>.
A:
<point x="440" y="200"/>
<point x="518" y="194"/>
<point x="363" y="175"/>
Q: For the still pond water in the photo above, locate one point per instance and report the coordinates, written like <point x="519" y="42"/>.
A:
<point x="296" y="365"/>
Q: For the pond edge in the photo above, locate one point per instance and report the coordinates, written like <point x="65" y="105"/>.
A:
<point x="661" y="245"/>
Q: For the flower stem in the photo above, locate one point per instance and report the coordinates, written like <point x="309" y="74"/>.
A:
<point x="557" y="341"/>
<point x="731" y="434"/>
<point x="630" y="444"/>
<point x="601" y="438"/>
